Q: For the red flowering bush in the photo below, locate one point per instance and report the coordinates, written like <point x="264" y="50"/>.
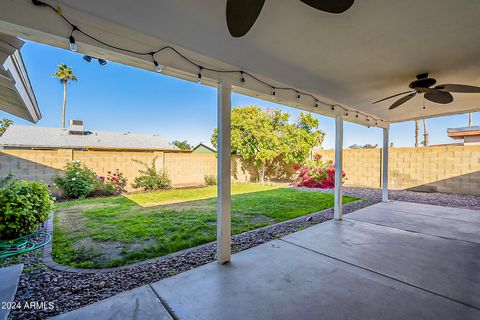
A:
<point x="113" y="183"/>
<point x="315" y="174"/>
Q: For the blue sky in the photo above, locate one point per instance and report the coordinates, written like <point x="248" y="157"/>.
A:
<point x="121" y="98"/>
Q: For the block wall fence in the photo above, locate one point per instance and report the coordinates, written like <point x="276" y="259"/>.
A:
<point x="31" y="165"/>
<point x="450" y="169"/>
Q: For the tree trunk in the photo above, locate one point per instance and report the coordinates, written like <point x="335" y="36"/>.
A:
<point x="470" y="116"/>
<point x="425" y="133"/>
<point x="261" y="173"/>
<point x="64" y="103"/>
<point x="417" y="133"/>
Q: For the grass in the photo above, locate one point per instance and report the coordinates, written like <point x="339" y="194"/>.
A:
<point x="115" y="231"/>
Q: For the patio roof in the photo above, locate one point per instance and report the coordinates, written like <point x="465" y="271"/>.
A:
<point x="371" y="51"/>
<point x="335" y="65"/>
<point x="16" y="93"/>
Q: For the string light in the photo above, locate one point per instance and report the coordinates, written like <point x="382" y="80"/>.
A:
<point x="73" y="45"/>
<point x="199" y="77"/>
<point x="158" y="68"/>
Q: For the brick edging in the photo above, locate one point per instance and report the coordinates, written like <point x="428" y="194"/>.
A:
<point x="48" y="260"/>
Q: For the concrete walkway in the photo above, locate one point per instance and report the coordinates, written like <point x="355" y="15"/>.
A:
<point x="9" y="277"/>
<point x="388" y="261"/>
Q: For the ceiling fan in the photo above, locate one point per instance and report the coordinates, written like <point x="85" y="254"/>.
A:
<point x="242" y="14"/>
<point x="438" y="94"/>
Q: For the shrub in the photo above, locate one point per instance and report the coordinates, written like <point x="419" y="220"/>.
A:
<point x="113" y="183"/>
<point x="150" y="178"/>
<point x="316" y="174"/>
<point x="78" y="181"/>
<point x="23" y="205"/>
<point x="210" y="179"/>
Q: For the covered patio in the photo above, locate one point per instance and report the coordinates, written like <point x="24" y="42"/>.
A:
<point x="395" y="260"/>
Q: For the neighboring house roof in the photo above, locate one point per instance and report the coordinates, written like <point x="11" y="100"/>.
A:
<point x="461" y="133"/>
<point x="16" y="93"/>
<point x="202" y="148"/>
<point x="44" y="137"/>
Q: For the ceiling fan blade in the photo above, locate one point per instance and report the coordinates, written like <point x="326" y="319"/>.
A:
<point x="395" y="95"/>
<point x="402" y="100"/>
<point x="439" y="97"/>
<point x="330" y="6"/>
<point x="461" y="88"/>
<point x="241" y="15"/>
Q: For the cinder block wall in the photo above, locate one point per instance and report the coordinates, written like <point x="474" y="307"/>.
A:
<point x="450" y="169"/>
<point x="183" y="169"/>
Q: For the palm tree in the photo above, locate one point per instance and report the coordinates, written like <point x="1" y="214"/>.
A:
<point x="4" y="124"/>
<point x="417" y="133"/>
<point x="64" y="74"/>
<point x="425" y="133"/>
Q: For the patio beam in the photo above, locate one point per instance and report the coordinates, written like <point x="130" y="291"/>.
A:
<point x="338" y="208"/>
<point x="385" y="165"/>
<point x="224" y="172"/>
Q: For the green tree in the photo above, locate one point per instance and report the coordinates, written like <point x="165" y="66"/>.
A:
<point x="184" y="145"/>
<point x="65" y="75"/>
<point x="365" y="146"/>
<point x="262" y="136"/>
<point x="4" y="124"/>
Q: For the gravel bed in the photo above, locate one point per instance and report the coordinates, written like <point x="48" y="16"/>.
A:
<point x="69" y="291"/>
<point x="439" y="199"/>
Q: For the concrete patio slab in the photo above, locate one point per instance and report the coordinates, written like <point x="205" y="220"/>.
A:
<point x="447" y="267"/>
<point x="429" y="210"/>
<point x="9" y="277"/>
<point x="279" y="280"/>
<point x="425" y="224"/>
<point x="139" y="303"/>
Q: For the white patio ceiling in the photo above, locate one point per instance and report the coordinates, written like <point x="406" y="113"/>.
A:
<point x="373" y="50"/>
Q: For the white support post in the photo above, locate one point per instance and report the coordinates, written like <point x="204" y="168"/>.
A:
<point x="224" y="173"/>
<point x="338" y="210"/>
<point x="385" y="165"/>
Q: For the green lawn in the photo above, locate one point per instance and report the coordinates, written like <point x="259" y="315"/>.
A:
<point x="115" y="231"/>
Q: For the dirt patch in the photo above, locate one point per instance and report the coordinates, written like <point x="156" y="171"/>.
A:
<point x="105" y="251"/>
<point x="100" y="251"/>
<point x="197" y="205"/>
<point x="255" y="219"/>
<point x="142" y="245"/>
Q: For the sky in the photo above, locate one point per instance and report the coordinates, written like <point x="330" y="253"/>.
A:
<point x="116" y="97"/>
